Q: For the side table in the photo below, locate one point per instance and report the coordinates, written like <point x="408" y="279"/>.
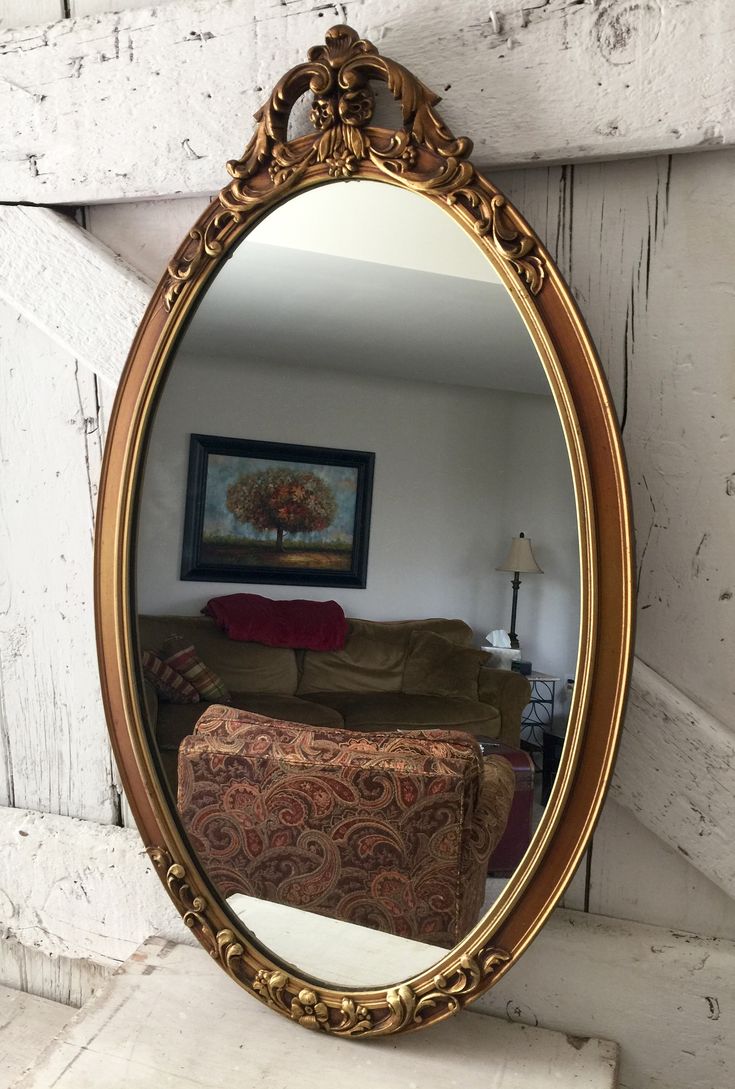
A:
<point x="538" y="716"/>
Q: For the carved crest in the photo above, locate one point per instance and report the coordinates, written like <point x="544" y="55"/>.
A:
<point x="422" y="155"/>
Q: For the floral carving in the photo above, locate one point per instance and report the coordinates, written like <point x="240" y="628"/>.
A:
<point x="309" y="1010"/>
<point x="402" y="1007"/>
<point x="423" y="155"/>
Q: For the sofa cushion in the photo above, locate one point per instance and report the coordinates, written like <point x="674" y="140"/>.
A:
<point x="373" y="657"/>
<point x="398" y="710"/>
<point x="186" y="661"/>
<point x="436" y="666"/>
<point x="173" y="727"/>
<point x="243" y="667"/>
<point x="166" y="681"/>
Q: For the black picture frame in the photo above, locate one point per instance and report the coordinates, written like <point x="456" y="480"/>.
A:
<point x="209" y="557"/>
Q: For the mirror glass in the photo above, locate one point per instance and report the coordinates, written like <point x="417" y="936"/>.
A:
<point x="356" y="495"/>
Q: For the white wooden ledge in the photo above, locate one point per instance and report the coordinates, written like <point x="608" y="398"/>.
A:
<point x="154" y="102"/>
<point x="88" y="890"/>
<point x="173" y="1017"/>
<point x="28" y="1024"/>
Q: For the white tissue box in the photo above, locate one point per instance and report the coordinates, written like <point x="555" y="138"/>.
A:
<point x="501" y="657"/>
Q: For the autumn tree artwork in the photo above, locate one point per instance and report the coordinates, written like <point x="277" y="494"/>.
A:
<point x="276" y="512"/>
<point x="285" y="500"/>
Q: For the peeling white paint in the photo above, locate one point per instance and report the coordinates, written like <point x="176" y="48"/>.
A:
<point x="532" y="82"/>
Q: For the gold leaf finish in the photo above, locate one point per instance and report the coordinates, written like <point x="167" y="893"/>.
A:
<point x="423" y="154"/>
<point x="339" y="1015"/>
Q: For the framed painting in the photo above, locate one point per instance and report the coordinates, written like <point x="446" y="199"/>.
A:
<point x="275" y="512"/>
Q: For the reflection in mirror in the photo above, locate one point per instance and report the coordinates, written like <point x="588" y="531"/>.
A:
<point x="357" y="424"/>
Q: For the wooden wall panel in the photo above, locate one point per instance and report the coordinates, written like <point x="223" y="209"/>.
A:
<point x="132" y="104"/>
<point x="55" y="752"/>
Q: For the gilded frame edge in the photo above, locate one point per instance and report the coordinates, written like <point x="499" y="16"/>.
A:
<point x="424" y="157"/>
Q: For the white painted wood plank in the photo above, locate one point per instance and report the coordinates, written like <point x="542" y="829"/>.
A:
<point x="87" y="890"/>
<point x="17" y="13"/>
<point x="100" y="7"/>
<point x="637" y="242"/>
<point x="145" y="234"/>
<point x="667" y="998"/>
<point x="53" y="738"/>
<point x="635" y="875"/>
<point x="69" y="981"/>
<point x="167" y="1019"/>
<point x="676" y="772"/>
<point x="554" y="81"/>
<point x="72" y="287"/>
<point x="27" y="1026"/>
<point x="79" y="889"/>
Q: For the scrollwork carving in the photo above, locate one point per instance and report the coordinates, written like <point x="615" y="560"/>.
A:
<point x="423" y="155"/>
<point x="324" y="1011"/>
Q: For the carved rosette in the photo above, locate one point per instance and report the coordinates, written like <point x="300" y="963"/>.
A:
<point x="401" y="1008"/>
<point x="422" y="155"/>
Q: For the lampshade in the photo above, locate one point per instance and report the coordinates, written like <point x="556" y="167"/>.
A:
<point x="520" y="557"/>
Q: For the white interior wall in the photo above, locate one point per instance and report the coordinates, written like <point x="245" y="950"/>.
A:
<point x="458" y="472"/>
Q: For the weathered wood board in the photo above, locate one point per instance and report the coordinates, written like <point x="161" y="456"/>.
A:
<point x="676" y="772"/>
<point x="68" y="284"/>
<point x="54" y="751"/>
<point x="169" y="1017"/>
<point x="79" y="889"/>
<point x="633" y="874"/>
<point x="152" y="102"/>
<point x="668" y="997"/>
<point x="28" y="1024"/>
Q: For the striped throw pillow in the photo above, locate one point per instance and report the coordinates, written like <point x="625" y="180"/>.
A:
<point x="187" y="662"/>
<point x="170" y="685"/>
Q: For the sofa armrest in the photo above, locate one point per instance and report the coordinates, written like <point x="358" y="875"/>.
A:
<point x="509" y="692"/>
<point x="150" y="702"/>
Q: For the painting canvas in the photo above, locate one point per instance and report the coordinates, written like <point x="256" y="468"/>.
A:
<point x="276" y="512"/>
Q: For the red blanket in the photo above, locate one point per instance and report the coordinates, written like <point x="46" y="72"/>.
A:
<point x="250" y="618"/>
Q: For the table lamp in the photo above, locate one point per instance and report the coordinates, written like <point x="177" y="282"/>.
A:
<point x="520" y="558"/>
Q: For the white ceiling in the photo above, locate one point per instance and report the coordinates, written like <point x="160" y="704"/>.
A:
<point x="347" y="277"/>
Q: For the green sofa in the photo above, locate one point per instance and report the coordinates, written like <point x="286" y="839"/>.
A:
<point x="410" y="674"/>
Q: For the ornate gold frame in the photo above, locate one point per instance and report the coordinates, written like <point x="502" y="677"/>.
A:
<point x="423" y="156"/>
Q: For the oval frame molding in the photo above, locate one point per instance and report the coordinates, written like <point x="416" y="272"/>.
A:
<point x="425" y="157"/>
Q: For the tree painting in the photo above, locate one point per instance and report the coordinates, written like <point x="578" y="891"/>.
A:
<point x="276" y="512"/>
<point x="284" y="500"/>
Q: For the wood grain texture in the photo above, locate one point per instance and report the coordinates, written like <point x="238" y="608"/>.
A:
<point x="634" y="874"/>
<point x="667" y="997"/>
<point x="549" y="80"/>
<point x="53" y="738"/>
<point x="70" y="981"/>
<point x="68" y="285"/>
<point x="79" y="889"/>
<point x="676" y="773"/>
<point x="166" y="1019"/>
<point x="27" y="1025"/>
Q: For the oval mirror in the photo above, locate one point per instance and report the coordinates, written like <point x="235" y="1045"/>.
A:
<point x="363" y="566"/>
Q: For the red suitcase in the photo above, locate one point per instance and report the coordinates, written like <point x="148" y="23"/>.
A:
<point x="518" y="831"/>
